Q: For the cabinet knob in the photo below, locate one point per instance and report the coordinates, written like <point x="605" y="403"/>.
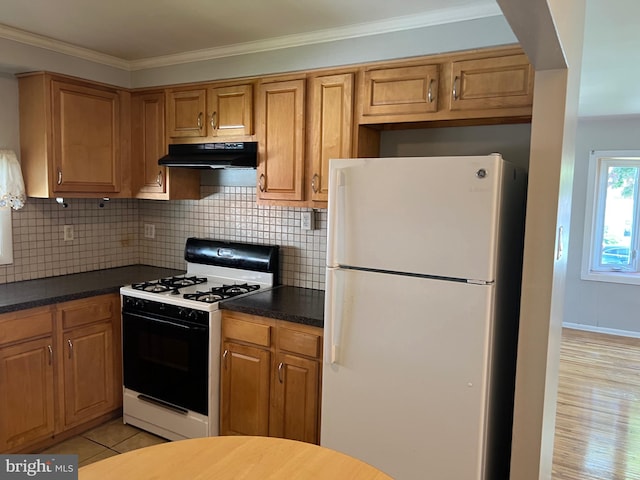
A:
<point x="224" y="358"/>
<point x="456" y="84"/>
<point x="261" y="182"/>
<point x="200" y="120"/>
<point x="50" y="354"/>
<point x="59" y="176"/>
<point x="280" y="367"/>
<point x="70" y="348"/>
<point x="430" y="91"/>
<point x="314" y="183"/>
<point x="213" y="120"/>
<point x="159" y="178"/>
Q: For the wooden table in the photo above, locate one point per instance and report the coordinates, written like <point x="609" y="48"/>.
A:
<point x="224" y="458"/>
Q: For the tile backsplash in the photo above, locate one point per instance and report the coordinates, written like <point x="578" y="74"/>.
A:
<point x="112" y="235"/>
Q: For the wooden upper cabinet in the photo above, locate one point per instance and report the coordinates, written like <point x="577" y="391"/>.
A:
<point x="330" y="132"/>
<point x="230" y="111"/>
<point x="86" y="138"/>
<point x="491" y="83"/>
<point x="408" y="91"/>
<point x="71" y="136"/>
<point x="210" y="111"/>
<point x="148" y="145"/>
<point x="280" y="129"/>
<point x="186" y="113"/>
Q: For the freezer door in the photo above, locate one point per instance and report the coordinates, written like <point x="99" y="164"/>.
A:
<point x="433" y="215"/>
<point x="405" y="373"/>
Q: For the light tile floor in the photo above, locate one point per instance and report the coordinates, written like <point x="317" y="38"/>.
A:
<point x="105" y="441"/>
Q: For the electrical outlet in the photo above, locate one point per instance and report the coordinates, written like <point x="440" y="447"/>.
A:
<point x="307" y="220"/>
<point x="68" y="233"/>
<point x="149" y="231"/>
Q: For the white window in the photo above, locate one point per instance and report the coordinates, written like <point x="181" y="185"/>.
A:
<point x="6" y="245"/>
<point x="612" y="223"/>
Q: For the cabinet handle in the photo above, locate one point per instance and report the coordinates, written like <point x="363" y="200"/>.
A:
<point x="314" y="183"/>
<point x="200" y="121"/>
<point x="280" y="367"/>
<point x="261" y="182"/>
<point x="456" y="83"/>
<point x="159" y="178"/>
<point x="213" y="120"/>
<point x="70" y="348"/>
<point x="59" y="177"/>
<point x="430" y="91"/>
<point x="50" y="354"/>
<point x="224" y="358"/>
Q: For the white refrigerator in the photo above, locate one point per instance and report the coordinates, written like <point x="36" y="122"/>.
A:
<point x="424" y="260"/>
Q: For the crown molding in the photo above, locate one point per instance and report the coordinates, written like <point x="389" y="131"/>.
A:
<point x="395" y="24"/>
<point x="57" y="46"/>
<point x="409" y="22"/>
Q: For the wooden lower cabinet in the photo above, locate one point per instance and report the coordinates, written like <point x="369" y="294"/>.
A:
<point x="59" y="369"/>
<point x="26" y="393"/>
<point x="89" y="389"/>
<point x="270" y="378"/>
<point x="245" y="390"/>
<point x="295" y="398"/>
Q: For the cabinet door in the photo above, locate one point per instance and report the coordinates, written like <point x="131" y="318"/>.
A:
<point x="88" y="366"/>
<point x="244" y="385"/>
<point x="26" y="393"/>
<point x="148" y="143"/>
<point x="488" y="83"/>
<point x="186" y="113"/>
<point x="230" y="111"/>
<point x="331" y="129"/>
<point x="294" y="412"/>
<point x="404" y="91"/>
<point x="280" y="132"/>
<point x="86" y="139"/>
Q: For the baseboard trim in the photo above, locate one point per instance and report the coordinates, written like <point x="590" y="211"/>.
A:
<point x="608" y="331"/>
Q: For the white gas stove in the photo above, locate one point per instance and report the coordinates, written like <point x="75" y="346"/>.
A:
<point x="171" y="336"/>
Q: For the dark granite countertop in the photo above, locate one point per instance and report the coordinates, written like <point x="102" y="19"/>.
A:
<point x="45" y="291"/>
<point x="294" y="304"/>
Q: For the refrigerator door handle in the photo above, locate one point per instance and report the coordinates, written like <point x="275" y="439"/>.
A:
<point x="336" y="217"/>
<point x="335" y="299"/>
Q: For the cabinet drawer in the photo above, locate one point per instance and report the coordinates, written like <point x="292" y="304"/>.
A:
<point x="295" y="341"/>
<point x="25" y="324"/>
<point x="81" y="312"/>
<point x="256" y="333"/>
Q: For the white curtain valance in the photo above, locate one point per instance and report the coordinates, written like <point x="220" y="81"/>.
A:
<point x="11" y="183"/>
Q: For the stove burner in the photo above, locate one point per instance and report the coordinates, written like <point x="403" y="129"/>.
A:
<point x="221" y="293"/>
<point x="239" y="289"/>
<point x="183" y="281"/>
<point x="154" y="287"/>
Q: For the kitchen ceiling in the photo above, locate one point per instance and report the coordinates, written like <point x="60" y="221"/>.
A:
<point x="131" y="33"/>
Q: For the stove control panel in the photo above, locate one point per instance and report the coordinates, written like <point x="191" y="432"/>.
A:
<point x="145" y="307"/>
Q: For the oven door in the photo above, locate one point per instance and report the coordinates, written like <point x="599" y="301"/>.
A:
<point x="167" y="360"/>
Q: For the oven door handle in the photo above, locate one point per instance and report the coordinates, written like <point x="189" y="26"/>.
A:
<point x="165" y="322"/>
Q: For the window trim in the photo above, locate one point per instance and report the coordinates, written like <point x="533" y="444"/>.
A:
<point x="6" y="240"/>
<point x="592" y="221"/>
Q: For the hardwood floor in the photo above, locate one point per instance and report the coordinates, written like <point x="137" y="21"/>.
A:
<point x="598" y="417"/>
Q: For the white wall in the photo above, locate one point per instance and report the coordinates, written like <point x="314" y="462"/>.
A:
<point x="512" y="141"/>
<point x="9" y="128"/>
<point x="588" y="303"/>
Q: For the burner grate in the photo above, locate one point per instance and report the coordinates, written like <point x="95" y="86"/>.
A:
<point x="216" y="294"/>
